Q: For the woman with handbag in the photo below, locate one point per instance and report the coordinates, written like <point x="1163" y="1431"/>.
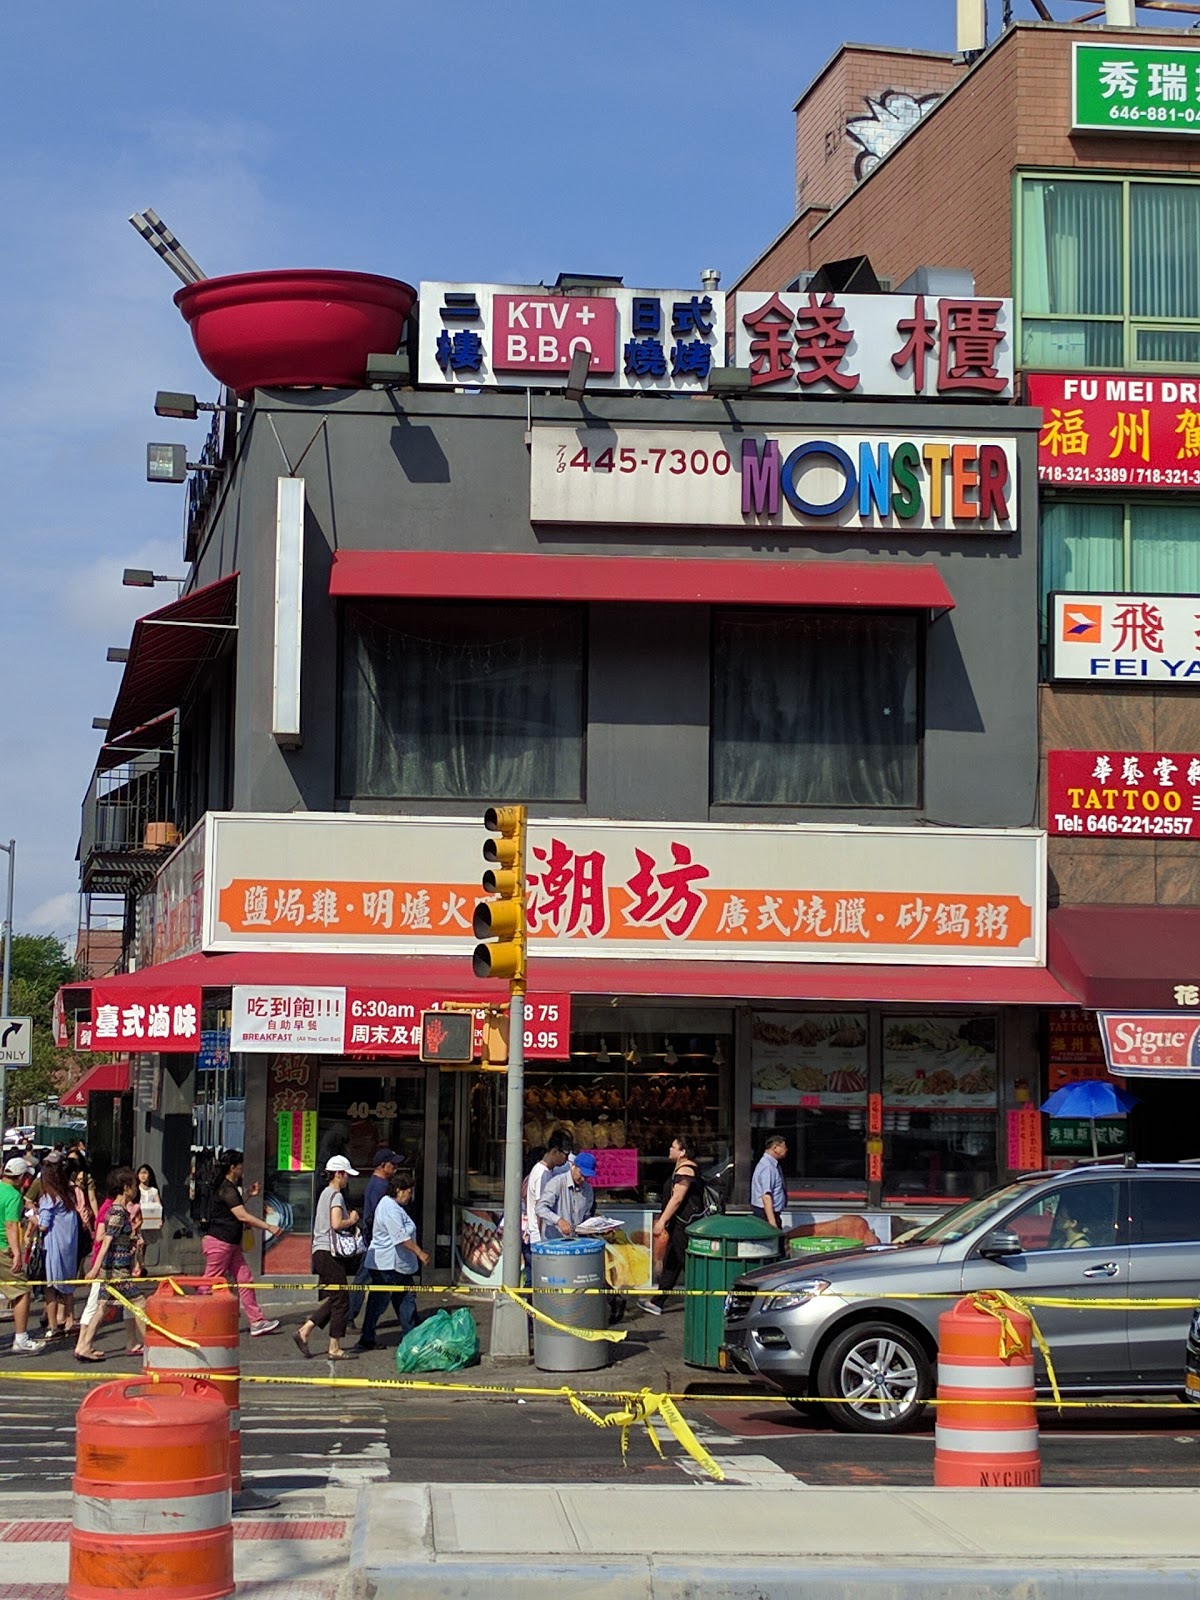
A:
<point x="87" y="1206"/>
<point x="112" y="1265"/>
<point x="58" y="1226"/>
<point x="337" y="1248"/>
<point x="225" y="1216"/>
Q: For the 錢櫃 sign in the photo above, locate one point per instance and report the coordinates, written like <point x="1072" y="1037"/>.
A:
<point x="1133" y="793"/>
<point x="1125" y="638"/>
<point x="629" y="890"/>
<point x="757" y="478"/>
<point x="1118" y="87"/>
<point x="1115" y="431"/>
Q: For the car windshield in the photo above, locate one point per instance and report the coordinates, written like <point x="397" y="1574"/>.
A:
<point x="966" y="1218"/>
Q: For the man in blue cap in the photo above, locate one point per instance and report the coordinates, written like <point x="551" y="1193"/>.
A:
<point x="568" y="1197"/>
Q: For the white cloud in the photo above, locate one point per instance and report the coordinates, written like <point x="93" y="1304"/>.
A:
<point x="58" y="915"/>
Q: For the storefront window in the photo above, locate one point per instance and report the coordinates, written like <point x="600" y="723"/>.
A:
<point x="808" y="1076"/>
<point x="636" y="1079"/>
<point x="939" y="1106"/>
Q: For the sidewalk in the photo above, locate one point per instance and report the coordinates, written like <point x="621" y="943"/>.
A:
<point x="510" y="1542"/>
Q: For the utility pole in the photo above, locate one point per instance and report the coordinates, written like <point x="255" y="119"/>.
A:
<point x="10" y="850"/>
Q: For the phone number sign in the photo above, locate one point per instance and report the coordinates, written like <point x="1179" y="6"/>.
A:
<point x="1133" y="793"/>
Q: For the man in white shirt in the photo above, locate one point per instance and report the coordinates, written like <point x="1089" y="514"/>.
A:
<point x="554" y="1157"/>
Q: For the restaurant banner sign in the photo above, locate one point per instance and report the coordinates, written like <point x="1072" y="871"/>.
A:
<point x="632" y="890"/>
<point x="1133" y="793"/>
<point x="1118" y="87"/>
<point x="1151" y="1044"/>
<point x="911" y="481"/>
<point x="163" y="1018"/>
<point x="897" y="346"/>
<point x="1113" y="431"/>
<point x="1125" y="638"/>
<point x="503" y="335"/>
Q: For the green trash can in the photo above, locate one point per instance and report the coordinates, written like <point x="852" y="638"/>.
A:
<point x="719" y="1250"/>
<point x="820" y="1244"/>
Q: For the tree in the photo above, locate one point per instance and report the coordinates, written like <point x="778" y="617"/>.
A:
<point x="40" y="966"/>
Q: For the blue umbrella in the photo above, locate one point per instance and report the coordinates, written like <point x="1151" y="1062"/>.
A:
<point x="1091" y="1098"/>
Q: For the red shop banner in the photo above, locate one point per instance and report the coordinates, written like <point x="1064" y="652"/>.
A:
<point x="1114" y="430"/>
<point x="387" y="1022"/>
<point x="1151" y="1044"/>
<point x="1132" y="793"/>
<point x="166" y="1018"/>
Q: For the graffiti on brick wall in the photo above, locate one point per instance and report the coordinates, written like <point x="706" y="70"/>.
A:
<point x="890" y="116"/>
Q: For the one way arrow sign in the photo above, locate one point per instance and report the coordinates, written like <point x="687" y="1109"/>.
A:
<point x="16" y="1041"/>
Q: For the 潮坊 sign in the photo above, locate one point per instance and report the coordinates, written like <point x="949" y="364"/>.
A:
<point x="896" y="346"/>
<point x="1151" y="1044"/>
<point x="1118" y="87"/>
<point x="493" y="335"/>
<point x="629" y="890"/>
<point x="1115" y="431"/>
<point x="907" y="482"/>
<point x="1130" y="793"/>
<point x="1125" y="638"/>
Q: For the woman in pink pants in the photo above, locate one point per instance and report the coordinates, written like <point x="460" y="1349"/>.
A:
<point x="222" y="1242"/>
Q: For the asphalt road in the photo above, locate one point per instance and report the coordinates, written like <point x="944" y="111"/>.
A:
<point x="295" y="1441"/>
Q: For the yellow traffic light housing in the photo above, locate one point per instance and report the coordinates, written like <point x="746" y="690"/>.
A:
<point x="503" y="918"/>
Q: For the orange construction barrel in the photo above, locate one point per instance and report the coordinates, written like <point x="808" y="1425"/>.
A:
<point x="986" y="1432"/>
<point x="152" y="1508"/>
<point x="206" y="1344"/>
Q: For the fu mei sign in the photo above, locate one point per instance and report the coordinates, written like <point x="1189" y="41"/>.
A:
<point x="898" y="481"/>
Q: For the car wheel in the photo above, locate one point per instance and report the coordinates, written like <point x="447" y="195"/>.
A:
<point x="875" y="1378"/>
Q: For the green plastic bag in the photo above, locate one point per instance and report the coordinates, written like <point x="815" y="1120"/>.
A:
<point x="442" y="1343"/>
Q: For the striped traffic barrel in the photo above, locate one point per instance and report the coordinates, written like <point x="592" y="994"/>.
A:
<point x="152" y="1499"/>
<point x="986" y="1433"/>
<point x="197" y="1332"/>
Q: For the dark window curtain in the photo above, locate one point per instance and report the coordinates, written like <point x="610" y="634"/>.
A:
<point x="462" y="702"/>
<point x="814" y="708"/>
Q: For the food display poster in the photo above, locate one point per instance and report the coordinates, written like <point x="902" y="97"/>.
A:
<point x="809" y="1058"/>
<point x="943" y="1062"/>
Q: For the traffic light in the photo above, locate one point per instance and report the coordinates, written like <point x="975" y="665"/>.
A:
<point x="502" y="919"/>
<point x="448" y="1037"/>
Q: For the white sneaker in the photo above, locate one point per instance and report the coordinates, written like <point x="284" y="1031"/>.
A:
<point x="258" y="1328"/>
<point x="27" y="1346"/>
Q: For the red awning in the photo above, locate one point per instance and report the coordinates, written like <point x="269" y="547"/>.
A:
<point x="112" y="1076"/>
<point x="1125" y="958"/>
<point x="658" y="580"/>
<point x="156" y="735"/>
<point x="700" y="980"/>
<point x="166" y="651"/>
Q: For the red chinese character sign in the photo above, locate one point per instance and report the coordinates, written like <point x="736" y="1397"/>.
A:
<point x="1115" y="431"/>
<point x="1125" y="638"/>
<point x="1130" y="793"/>
<point x="899" y="346"/>
<point x="154" y="1018"/>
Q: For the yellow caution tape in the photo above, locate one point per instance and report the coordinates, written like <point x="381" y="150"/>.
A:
<point x="613" y="1335"/>
<point x="996" y="1303"/>
<point x="641" y="1408"/>
<point x="139" y="1313"/>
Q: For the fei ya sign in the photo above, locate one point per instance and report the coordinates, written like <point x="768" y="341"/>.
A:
<point x="906" y="481"/>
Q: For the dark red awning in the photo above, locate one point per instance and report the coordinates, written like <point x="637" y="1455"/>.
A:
<point x="1125" y="958"/>
<point x="167" y="650"/>
<point x="712" y="980"/>
<point x="656" y="580"/>
<point x="112" y="1076"/>
<point x="156" y="735"/>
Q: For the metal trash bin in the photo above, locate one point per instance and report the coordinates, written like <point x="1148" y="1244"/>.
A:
<point x="569" y="1264"/>
<point x="719" y="1250"/>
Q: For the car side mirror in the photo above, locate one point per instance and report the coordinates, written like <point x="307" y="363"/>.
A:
<point x="1000" y="1242"/>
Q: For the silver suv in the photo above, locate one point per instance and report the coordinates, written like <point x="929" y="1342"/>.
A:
<point x="835" y="1331"/>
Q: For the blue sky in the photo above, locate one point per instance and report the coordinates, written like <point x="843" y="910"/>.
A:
<point x="484" y="142"/>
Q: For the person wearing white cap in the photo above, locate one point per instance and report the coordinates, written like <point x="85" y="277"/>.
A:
<point x="13" y="1286"/>
<point x="333" y="1216"/>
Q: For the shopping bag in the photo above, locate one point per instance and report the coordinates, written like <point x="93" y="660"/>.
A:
<point x="442" y="1343"/>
